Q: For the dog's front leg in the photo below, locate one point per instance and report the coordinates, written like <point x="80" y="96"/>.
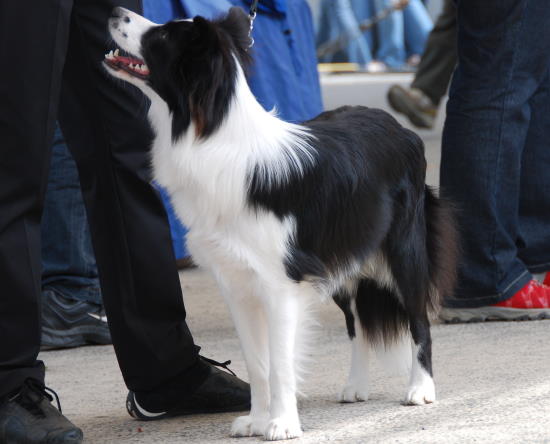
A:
<point x="251" y="325"/>
<point x="283" y="314"/>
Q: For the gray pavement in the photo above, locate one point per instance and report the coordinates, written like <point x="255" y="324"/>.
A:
<point x="492" y="379"/>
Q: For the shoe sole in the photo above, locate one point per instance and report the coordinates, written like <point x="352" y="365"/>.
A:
<point x="134" y="410"/>
<point x="400" y="102"/>
<point x="54" y="339"/>
<point x="483" y="314"/>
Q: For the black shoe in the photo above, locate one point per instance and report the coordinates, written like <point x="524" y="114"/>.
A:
<point x="416" y="105"/>
<point x="27" y="417"/>
<point x="67" y="323"/>
<point x="220" y="392"/>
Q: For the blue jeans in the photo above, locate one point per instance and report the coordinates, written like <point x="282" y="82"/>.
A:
<point x="338" y="18"/>
<point x="68" y="260"/>
<point x="402" y="33"/>
<point x="496" y="156"/>
<point x="178" y="231"/>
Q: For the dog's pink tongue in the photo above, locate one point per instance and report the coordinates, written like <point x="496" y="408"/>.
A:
<point x="129" y="60"/>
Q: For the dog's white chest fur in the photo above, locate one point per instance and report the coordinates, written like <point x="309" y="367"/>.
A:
<point x="208" y="183"/>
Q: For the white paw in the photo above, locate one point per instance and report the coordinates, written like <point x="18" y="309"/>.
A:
<point x="353" y="393"/>
<point x="249" y="426"/>
<point x="420" y="394"/>
<point x="283" y="428"/>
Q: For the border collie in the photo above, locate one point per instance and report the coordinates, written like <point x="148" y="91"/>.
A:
<point x="287" y="214"/>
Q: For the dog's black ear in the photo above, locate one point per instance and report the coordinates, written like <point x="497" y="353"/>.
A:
<point x="205" y="35"/>
<point x="237" y="25"/>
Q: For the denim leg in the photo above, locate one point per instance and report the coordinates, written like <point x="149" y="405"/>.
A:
<point x="68" y="260"/>
<point x="418" y="26"/>
<point x="391" y="36"/>
<point x="503" y="59"/>
<point x="339" y="19"/>
<point x="177" y="230"/>
<point x="534" y="204"/>
<point x="358" y="49"/>
<point x="363" y="11"/>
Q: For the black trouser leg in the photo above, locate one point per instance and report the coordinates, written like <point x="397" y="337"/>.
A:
<point x="439" y="59"/>
<point x="106" y="129"/>
<point x="33" y="40"/>
<point x="109" y="139"/>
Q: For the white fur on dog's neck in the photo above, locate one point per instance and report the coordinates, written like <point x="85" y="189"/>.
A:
<point x="216" y="170"/>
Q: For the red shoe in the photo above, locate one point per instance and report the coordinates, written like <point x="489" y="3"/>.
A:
<point x="533" y="296"/>
<point x="547" y="279"/>
<point x="530" y="303"/>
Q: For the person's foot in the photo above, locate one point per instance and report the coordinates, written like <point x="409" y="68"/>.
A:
<point x="220" y="392"/>
<point x="530" y="303"/>
<point x="413" y="61"/>
<point x="67" y="323"/>
<point x="28" y="417"/>
<point x="376" y="66"/>
<point x="414" y="104"/>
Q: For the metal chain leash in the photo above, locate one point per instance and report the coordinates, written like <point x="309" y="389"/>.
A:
<point x="252" y="16"/>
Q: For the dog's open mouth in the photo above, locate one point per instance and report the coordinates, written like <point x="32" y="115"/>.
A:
<point x="122" y="62"/>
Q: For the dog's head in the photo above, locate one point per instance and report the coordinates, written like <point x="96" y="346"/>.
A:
<point x="189" y="64"/>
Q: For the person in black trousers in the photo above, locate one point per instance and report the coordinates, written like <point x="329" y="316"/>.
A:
<point x="421" y="101"/>
<point x="51" y="52"/>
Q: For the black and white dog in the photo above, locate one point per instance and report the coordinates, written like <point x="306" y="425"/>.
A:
<point x="287" y="214"/>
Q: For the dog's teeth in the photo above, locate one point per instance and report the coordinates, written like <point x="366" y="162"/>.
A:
<point x="116" y="52"/>
<point x="131" y="66"/>
<point x="111" y="54"/>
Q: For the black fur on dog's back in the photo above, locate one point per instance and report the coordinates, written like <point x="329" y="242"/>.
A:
<point x="365" y="195"/>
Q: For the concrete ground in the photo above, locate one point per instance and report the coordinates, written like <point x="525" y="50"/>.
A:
<point x="492" y="379"/>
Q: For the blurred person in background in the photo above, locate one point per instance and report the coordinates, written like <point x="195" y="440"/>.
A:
<point x="402" y="36"/>
<point x="397" y="40"/>
<point x="495" y="160"/>
<point x="421" y="100"/>
<point x="284" y="72"/>
<point x="338" y="18"/>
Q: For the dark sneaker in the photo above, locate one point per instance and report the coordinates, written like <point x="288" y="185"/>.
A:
<point x="67" y="323"/>
<point x="532" y="302"/>
<point x="27" y="417"/>
<point x="220" y="392"/>
<point x="414" y="104"/>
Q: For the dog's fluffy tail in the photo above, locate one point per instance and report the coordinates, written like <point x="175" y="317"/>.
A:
<point x="442" y="247"/>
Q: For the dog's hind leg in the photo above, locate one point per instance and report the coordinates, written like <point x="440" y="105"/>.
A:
<point x="251" y="325"/>
<point x="357" y="386"/>
<point x="283" y="313"/>
<point x="421" y="388"/>
<point x="411" y="270"/>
